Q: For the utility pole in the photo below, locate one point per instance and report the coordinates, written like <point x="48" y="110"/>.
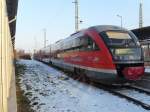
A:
<point x="141" y="14"/>
<point x="76" y="15"/>
<point x="121" y="19"/>
<point x="44" y="30"/>
<point x="35" y="40"/>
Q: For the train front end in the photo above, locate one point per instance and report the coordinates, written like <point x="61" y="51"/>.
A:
<point x="126" y="53"/>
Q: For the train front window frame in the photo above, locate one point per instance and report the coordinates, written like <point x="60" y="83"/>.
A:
<point x="112" y="39"/>
<point x="126" y="54"/>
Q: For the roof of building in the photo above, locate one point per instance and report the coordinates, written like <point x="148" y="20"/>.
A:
<point x="12" y="6"/>
<point x="142" y="33"/>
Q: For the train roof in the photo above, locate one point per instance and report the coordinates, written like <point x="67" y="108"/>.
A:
<point x="98" y="28"/>
<point x="101" y="28"/>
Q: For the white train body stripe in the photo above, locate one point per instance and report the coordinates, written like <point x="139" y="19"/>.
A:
<point x="112" y="71"/>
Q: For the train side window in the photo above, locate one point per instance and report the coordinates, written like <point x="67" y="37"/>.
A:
<point x="87" y="44"/>
<point x="83" y="43"/>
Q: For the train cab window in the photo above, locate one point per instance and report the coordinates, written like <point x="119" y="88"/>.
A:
<point x="87" y="44"/>
<point x="116" y="38"/>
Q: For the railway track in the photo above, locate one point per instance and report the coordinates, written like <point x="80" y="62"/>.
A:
<point x="140" y="89"/>
<point x="120" y="92"/>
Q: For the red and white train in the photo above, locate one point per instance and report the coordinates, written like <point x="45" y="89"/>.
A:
<point x="107" y="53"/>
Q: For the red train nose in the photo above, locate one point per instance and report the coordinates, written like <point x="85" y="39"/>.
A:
<point x="133" y="73"/>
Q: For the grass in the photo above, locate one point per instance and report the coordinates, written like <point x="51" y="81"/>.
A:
<point x="23" y="103"/>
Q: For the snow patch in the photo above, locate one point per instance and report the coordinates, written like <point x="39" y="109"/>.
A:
<point x="50" y="90"/>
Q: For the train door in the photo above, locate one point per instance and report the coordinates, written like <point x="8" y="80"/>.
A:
<point x="90" y="53"/>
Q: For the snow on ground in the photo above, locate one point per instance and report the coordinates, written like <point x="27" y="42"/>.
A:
<point x="50" y="90"/>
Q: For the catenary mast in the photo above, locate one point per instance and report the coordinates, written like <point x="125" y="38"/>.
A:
<point x="141" y="14"/>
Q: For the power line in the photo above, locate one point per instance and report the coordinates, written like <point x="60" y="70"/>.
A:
<point x="121" y="18"/>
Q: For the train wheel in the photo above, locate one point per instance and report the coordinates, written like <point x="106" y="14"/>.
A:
<point x="77" y="71"/>
<point x="120" y="74"/>
<point x="81" y="75"/>
<point x="50" y="63"/>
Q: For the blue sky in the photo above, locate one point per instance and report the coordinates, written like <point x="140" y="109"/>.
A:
<point x="57" y="16"/>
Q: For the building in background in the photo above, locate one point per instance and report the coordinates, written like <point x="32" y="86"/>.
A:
<point x="8" y="12"/>
<point x="143" y="35"/>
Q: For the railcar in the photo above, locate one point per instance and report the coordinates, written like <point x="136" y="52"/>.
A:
<point x="104" y="53"/>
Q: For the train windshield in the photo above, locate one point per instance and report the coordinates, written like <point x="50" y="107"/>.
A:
<point x="113" y="38"/>
<point x="126" y="53"/>
<point x="123" y="46"/>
